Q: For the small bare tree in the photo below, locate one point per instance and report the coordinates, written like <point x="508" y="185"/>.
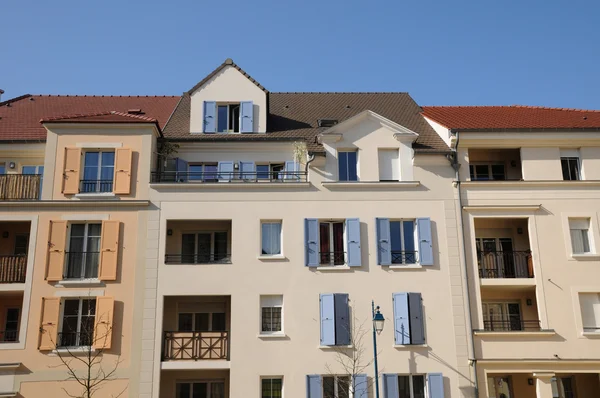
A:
<point x="81" y="352"/>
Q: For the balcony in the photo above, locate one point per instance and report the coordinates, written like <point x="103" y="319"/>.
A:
<point x="14" y="247"/>
<point x="95" y="186"/>
<point x="236" y="177"/>
<point x="198" y="242"/>
<point x="332" y="259"/>
<point x="510" y="309"/>
<point x="505" y="264"/>
<point x="495" y="164"/>
<point x="20" y="186"/>
<point x="195" y="346"/>
<point x="12" y="268"/>
<point x="404" y="257"/>
<point x="11" y="306"/>
<point x="511" y="325"/>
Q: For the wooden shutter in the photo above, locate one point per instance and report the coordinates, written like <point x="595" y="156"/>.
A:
<point x="209" y="117"/>
<point x="57" y="243"/>
<point x="49" y="323"/>
<point x="327" y="319"/>
<point x="384" y="245"/>
<point x="390" y="385"/>
<point x="104" y="322"/>
<point x="401" y="318"/>
<point x="417" y="329"/>
<point x="425" y="244"/>
<point x="342" y="319"/>
<point x="313" y="386"/>
<point x="435" y="385"/>
<point x="311" y="242"/>
<point x="353" y="242"/>
<point x="246" y="117"/>
<point x="122" y="183"/>
<point x="109" y="250"/>
<point x="71" y="171"/>
<point x="360" y="386"/>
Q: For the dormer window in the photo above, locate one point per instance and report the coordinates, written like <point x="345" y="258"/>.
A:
<point x="228" y="118"/>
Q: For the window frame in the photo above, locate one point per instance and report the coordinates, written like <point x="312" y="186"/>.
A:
<point x="203" y="172"/>
<point x="268" y="301"/>
<point x="402" y="241"/>
<point x="79" y="317"/>
<point x="505" y="316"/>
<point x="265" y="222"/>
<point x="587" y="232"/>
<point x="473" y="175"/>
<point x="208" y="382"/>
<point x="336" y="381"/>
<point x="380" y="151"/>
<point x="26" y="235"/>
<point x="211" y="325"/>
<point x="271" y="173"/>
<point x="271" y="378"/>
<point x="568" y="156"/>
<point x="347" y="179"/>
<point x="229" y="106"/>
<point x="85" y="238"/>
<point x="5" y="325"/>
<point x="98" y="184"/>
<point x="411" y="383"/>
<point x="584" y="328"/>
<point x="332" y="261"/>
<point x="227" y="256"/>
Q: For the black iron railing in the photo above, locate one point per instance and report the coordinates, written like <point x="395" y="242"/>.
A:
<point x="404" y="257"/>
<point x="235" y="177"/>
<point x="12" y="269"/>
<point x="505" y="264"/>
<point x="91" y="186"/>
<point x="223" y="258"/>
<point x="194" y="346"/>
<point x="511" y="325"/>
<point x="9" y="336"/>
<point x="332" y="258"/>
<point x="81" y="265"/>
<point x="75" y="339"/>
<point x="20" y="186"/>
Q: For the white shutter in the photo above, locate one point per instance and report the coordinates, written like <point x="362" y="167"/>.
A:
<point x="590" y="311"/>
<point x="389" y="165"/>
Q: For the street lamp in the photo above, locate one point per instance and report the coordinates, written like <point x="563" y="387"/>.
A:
<point x="378" y="322"/>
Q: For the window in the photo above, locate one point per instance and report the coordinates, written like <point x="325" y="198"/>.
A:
<point x="486" y="172"/>
<point x="201" y="389"/>
<point x="271" y="314"/>
<point x="580" y="235"/>
<point x="11" y="326"/>
<point x="21" y="244"/>
<point x="202" y="322"/>
<point x="500" y="387"/>
<point x="271" y="238"/>
<point x="206" y="172"/>
<point x="411" y="386"/>
<point x="590" y="311"/>
<point x="77" y="323"/>
<point x="409" y="326"/>
<point x="347" y="166"/>
<point x="389" y="165"/>
<point x="272" y="387"/>
<point x="335" y="319"/>
<point x="403" y="236"/>
<point x="98" y="171"/>
<point x="503" y="316"/>
<point x="570" y="164"/>
<point x="84" y="251"/>
<point x="228" y="118"/>
<point x="204" y="248"/>
<point x="331" y="239"/>
<point x="563" y="387"/>
<point x="269" y="171"/>
<point x="336" y="386"/>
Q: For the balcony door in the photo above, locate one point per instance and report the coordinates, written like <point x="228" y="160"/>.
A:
<point x="11" y="325"/>
<point x="21" y="244"/>
<point x="496" y="257"/>
<point x="500" y="387"/>
<point x="331" y="239"/>
<point x="204" y="247"/>
<point x="201" y="389"/>
<point x="502" y="316"/>
<point x="84" y="251"/>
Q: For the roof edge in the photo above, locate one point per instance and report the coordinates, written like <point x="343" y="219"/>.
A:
<point x="228" y="62"/>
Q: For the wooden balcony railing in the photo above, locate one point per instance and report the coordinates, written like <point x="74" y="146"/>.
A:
<point x="20" y="186"/>
<point x="195" y="346"/>
<point x="12" y="269"/>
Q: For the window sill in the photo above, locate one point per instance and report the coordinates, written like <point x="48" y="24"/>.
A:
<point x="79" y="282"/>
<point x="334" y="268"/>
<point x="540" y="333"/>
<point x="400" y="267"/>
<point x="333" y="347"/>
<point x="590" y="256"/>
<point x="272" y="258"/>
<point x="409" y="346"/>
<point x="591" y="334"/>
<point x="522" y="183"/>
<point x="74" y="350"/>
<point x="95" y="195"/>
<point x="272" y="336"/>
<point x="371" y="184"/>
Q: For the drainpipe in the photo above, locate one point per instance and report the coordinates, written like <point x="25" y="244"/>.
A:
<point x="311" y="158"/>
<point x="1" y="92"/>
<point x="456" y="166"/>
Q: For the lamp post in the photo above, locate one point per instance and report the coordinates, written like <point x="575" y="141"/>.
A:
<point x="378" y="321"/>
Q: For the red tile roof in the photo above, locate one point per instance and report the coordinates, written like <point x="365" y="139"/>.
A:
<point x="514" y="117"/>
<point x="20" y="117"/>
<point x="102" y="117"/>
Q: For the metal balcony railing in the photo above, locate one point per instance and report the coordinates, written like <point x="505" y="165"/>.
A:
<point x="221" y="258"/>
<point x="194" y="346"/>
<point x="75" y="339"/>
<point x="91" y="186"/>
<point x="81" y="265"/>
<point x="511" y="325"/>
<point x="505" y="264"/>
<point x="235" y="177"/>
<point x="332" y="258"/>
<point x="9" y="336"/>
<point x="12" y="269"/>
<point x="20" y="186"/>
<point x="404" y="257"/>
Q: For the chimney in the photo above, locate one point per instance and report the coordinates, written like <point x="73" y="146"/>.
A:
<point x="1" y="92"/>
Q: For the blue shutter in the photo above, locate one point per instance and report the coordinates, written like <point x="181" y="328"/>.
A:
<point x="210" y="120"/>
<point x="417" y="330"/>
<point x="311" y="242"/>
<point x="353" y="241"/>
<point x="247" y="171"/>
<point x="435" y="385"/>
<point x="384" y="245"/>
<point x="246" y="117"/>
<point x="313" y="386"/>
<point x="327" y="319"/>
<point x="181" y="169"/>
<point x="290" y="168"/>
<point x="360" y="386"/>
<point x="390" y="385"/>
<point x="342" y="319"/>
<point x="225" y="170"/>
<point x="401" y="318"/>
<point x="425" y="246"/>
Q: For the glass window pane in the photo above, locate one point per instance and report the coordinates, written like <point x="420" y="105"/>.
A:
<point x="234" y="117"/>
<point x="218" y="322"/>
<point x="185" y="322"/>
<point x="324" y="242"/>
<point x="200" y="390"/>
<point x="498" y="172"/>
<point x="329" y="387"/>
<point x="482" y="172"/>
<point x="343" y="386"/>
<point x="2" y="169"/>
<point x="352" y="172"/>
<point x="271" y="238"/>
<point x="195" y="172"/>
<point x="202" y="322"/>
<point x="262" y="171"/>
<point x="71" y="307"/>
<point x="396" y="236"/>
<point x="408" y="229"/>
<point x="221" y="246"/>
<point x="343" y="166"/>
<point x="403" y="387"/>
<point x="266" y="319"/>
<point x="574" y="168"/>
<point x="418" y="386"/>
<point x="183" y="390"/>
<point x="210" y="172"/>
<point x="221" y="118"/>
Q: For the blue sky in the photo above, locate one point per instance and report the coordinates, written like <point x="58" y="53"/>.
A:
<point x="442" y="52"/>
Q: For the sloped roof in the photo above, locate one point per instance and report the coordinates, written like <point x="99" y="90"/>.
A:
<point x="514" y="117"/>
<point x="103" y="117"/>
<point x="228" y="62"/>
<point x="20" y="117"/>
<point x="294" y="116"/>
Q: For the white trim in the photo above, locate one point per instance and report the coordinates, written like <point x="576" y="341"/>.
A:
<point x="82" y="350"/>
<point x="195" y="365"/>
<point x="92" y="282"/>
<point x="95" y="195"/>
<point x="333" y="268"/>
<point x="371" y="184"/>
<point x="278" y="257"/>
<point x="593" y="235"/>
<point x="271" y="256"/>
<point x="273" y="336"/>
<point x="79" y="293"/>
<point x="234" y="184"/>
<point x="401" y="133"/>
<point x="99" y="145"/>
<point x="517" y="334"/>
<point x="85" y="217"/>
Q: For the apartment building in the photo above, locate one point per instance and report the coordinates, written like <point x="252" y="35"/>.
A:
<point x="529" y="181"/>
<point x="282" y="216"/>
<point x="74" y="177"/>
